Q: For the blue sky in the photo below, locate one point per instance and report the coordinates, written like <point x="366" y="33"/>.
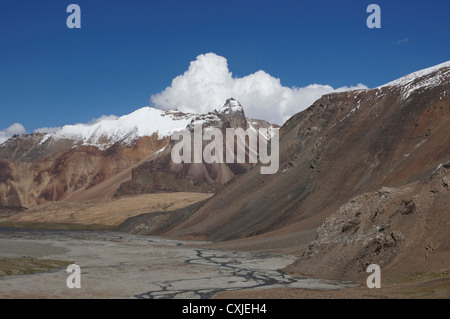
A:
<point x="127" y="51"/>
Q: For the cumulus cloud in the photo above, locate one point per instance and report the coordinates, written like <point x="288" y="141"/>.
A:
<point x="208" y="83"/>
<point x="9" y="132"/>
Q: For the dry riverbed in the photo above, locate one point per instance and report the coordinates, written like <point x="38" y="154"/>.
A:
<point x="115" y="265"/>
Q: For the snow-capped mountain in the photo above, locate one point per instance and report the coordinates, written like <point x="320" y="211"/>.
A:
<point x="128" y="128"/>
<point x="82" y="161"/>
<point x="148" y="121"/>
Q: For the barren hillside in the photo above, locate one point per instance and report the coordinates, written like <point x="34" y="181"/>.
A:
<point x="343" y="146"/>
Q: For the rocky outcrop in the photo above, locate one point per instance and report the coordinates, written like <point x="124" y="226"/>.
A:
<point x="390" y="227"/>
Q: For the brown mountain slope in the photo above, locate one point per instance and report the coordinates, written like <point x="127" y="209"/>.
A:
<point x="67" y="172"/>
<point x="344" y="145"/>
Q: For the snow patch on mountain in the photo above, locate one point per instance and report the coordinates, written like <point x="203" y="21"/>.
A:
<point x="423" y="78"/>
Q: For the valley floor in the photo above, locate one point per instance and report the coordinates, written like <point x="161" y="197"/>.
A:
<point x="115" y="265"/>
<point x="431" y="286"/>
<point x="33" y="259"/>
<point x="103" y="213"/>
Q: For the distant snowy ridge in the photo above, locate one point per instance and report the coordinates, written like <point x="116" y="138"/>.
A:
<point x="419" y="79"/>
<point x="142" y="122"/>
<point x="146" y="121"/>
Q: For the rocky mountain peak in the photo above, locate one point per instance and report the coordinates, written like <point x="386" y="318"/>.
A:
<point x="233" y="113"/>
<point x="232" y="105"/>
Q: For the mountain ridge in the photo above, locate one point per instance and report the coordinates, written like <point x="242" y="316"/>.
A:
<point x="344" y="145"/>
<point x="80" y="162"/>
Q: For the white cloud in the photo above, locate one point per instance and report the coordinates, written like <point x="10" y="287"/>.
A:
<point x="9" y="132"/>
<point x="208" y="83"/>
<point x="403" y="41"/>
<point x="46" y="130"/>
<point x="91" y="122"/>
<point x="103" y="118"/>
